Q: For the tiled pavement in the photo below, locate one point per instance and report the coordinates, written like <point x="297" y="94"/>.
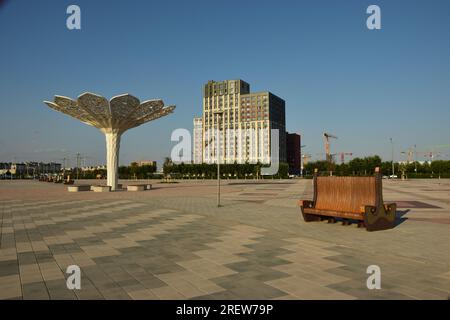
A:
<point x="174" y="243"/>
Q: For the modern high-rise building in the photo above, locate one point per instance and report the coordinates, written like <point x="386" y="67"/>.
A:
<point x="245" y="121"/>
<point x="198" y="141"/>
<point x="293" y="151"/>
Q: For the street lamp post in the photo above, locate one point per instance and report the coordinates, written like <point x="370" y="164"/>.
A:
<point x="10" y="168"/>
<point x="78" y="165"/>
<point x="219" y="118"/>
<point x="415" y="159"/>
<point x="301" y="160"/>
<point x="392" y="145"/>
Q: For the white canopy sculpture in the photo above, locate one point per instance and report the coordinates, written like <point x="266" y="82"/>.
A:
<point x="113" y="118"/>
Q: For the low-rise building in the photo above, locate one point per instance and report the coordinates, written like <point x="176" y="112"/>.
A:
<point x="141" y="163"/>
<point x="293" y="151"/>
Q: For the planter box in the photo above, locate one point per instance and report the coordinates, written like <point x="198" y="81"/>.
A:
<point x="101" y="188"/>
<point x="79" y="188"/>
<point x="139" y="187"/>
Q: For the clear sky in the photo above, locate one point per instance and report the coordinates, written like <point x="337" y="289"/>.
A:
<point x="334" y="74"/>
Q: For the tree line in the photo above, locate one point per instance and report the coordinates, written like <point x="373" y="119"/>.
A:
<point x="355" y="167"/>
<point x="367" y="165"/>
<point x="133" y="171"/>
<point x="227" y="170"/>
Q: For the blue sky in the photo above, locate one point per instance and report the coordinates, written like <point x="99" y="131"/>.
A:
<point x="335" y="75"/>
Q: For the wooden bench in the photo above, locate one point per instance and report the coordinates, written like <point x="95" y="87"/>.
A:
<point x="350" y="198"/>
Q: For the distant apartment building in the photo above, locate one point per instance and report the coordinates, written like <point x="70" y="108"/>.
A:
<point x="5" y="165"/>
<point x="293" y="152"/>
<point x="41" y="167"/>
<point x="244" y="120"/>
<point x="32" y="167"/>
<point x="198" y="141"/>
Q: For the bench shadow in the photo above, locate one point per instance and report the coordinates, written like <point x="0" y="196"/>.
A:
<point x="399" y="219"/>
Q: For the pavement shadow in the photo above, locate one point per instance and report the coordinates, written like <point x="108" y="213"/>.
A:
<point x="256" y="182"/>
<point x="399" y="219"/>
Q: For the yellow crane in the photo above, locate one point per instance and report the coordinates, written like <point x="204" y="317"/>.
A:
<point x="326" y="140"/>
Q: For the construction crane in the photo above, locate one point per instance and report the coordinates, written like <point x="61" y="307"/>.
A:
<point x="433" y="154"/>
<point x="409" y="155"/>
<point x="306" y="158"/>
<point x="343" y="154"/>
<point x="429" y="154"/>
<point x="326" y="140"/>
<point x="438" y="154"/>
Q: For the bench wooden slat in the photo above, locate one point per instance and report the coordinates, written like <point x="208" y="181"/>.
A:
<point x="345" y="193"/>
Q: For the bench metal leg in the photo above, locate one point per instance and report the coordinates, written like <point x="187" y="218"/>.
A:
<point x="346" y="222"/>
<point x="380" y="218"/>
<point x="311" y="217"/>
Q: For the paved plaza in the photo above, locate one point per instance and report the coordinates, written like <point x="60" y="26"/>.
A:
<point x="173" y="242"/>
